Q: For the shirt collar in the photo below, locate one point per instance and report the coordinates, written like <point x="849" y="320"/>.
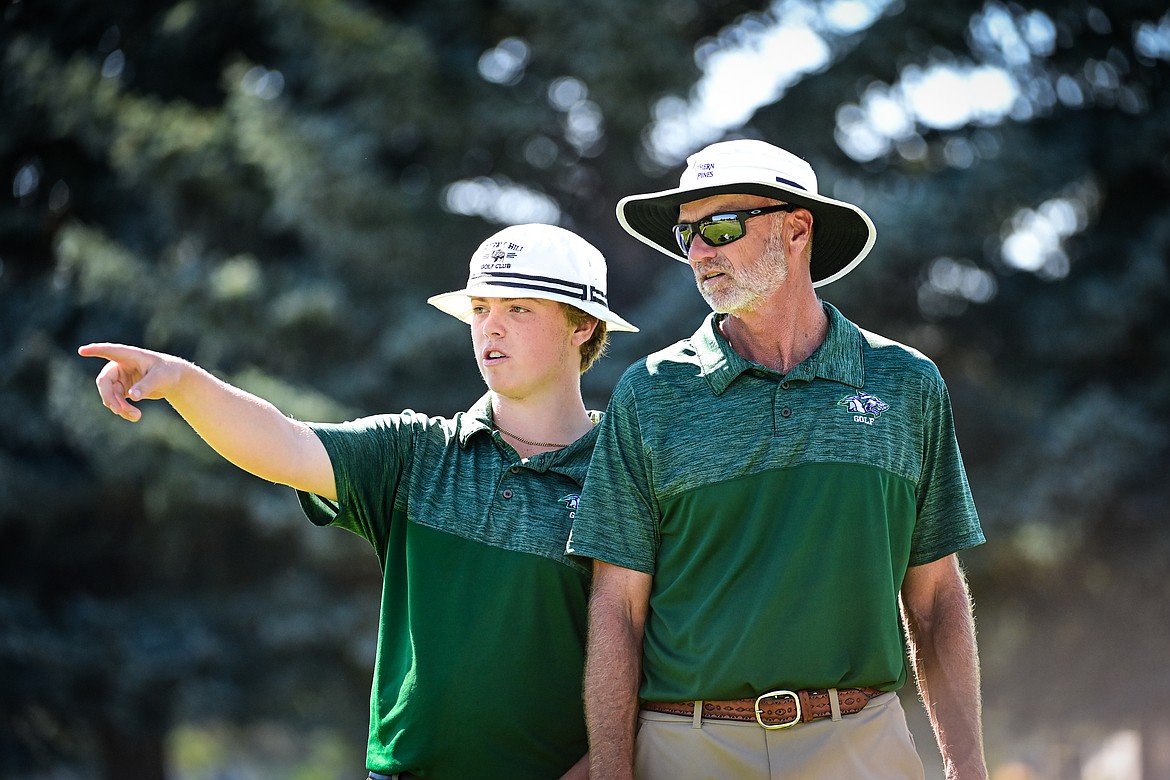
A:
<point x="839" y="358"/>
<point x="479" y="418"/>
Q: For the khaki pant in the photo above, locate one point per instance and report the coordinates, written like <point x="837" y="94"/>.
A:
<point x="874" y="744"/>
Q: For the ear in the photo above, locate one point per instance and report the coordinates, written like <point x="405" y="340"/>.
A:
<point x="584" y="331"/>
<point x="800" y="223"/>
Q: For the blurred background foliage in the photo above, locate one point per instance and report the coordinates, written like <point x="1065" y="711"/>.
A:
<point x="272" y="188"/>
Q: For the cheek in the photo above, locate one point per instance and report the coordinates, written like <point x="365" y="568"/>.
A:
<point x="476" y="339"/>
<point x="551" y="343"/>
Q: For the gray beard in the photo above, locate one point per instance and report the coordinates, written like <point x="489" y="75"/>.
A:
<point x="753" y="284"/>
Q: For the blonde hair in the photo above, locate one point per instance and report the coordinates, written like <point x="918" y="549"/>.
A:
<point x="595" y="347"/>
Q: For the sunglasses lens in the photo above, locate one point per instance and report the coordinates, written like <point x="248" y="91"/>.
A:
<point x="721" y="229"/>
<point x="716" y="230"/>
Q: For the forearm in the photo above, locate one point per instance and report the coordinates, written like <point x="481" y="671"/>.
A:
<point x="613" y="672"/>
<point x="946" y="664"/>
<point x="251" y="432"/>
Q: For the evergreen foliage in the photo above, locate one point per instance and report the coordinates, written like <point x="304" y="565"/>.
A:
<point x="272" y="188"/>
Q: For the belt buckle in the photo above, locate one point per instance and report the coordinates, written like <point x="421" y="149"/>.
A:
<point x="777" y="694"/>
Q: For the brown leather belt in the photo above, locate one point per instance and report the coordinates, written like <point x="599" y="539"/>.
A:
<point x="775" y="709"/>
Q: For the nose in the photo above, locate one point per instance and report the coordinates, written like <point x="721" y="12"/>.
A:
<point x="492" y="323"/>
<point x="700" y="251"/>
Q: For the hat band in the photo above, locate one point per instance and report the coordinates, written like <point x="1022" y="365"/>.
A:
<point x="790" y="183"/>
<point x="582" y="292"/>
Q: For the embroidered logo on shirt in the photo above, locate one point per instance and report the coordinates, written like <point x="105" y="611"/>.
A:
<point x="865" y="407"/>
<point x="571" y="501"/>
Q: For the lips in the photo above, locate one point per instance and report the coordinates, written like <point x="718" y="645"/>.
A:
<point x="709" y="274"/>
<point x="493" y="356"/>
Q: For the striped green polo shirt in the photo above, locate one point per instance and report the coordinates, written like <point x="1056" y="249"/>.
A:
<point x="481" y="636"/>
<point x="777" y="513"/>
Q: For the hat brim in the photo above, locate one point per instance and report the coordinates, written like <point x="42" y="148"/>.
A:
<point x="842" y="233"/>
<point x="457" y="303"/>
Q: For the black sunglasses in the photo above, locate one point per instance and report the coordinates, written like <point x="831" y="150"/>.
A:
<point x="722" y="228"/>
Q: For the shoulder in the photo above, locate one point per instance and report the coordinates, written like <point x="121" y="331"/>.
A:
<point x="886" y="354"/>
<point x="660" y="375"/>
<point x="398" y="429"/>
<point x="405" y="419"/>
<point x="681" y="357"/>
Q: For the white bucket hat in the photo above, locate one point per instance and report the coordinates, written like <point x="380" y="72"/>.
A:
<point x="843" y="234"/>
<point x="535" y="261"/>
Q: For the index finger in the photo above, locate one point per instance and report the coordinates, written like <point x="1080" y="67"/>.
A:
<point x="107" y="350"/>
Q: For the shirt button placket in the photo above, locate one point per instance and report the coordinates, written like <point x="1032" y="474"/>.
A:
<point x="783" y="409"/>
<point x="507" y="493"/>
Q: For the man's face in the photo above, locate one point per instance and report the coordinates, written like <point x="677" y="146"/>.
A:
<point x="740" y="276"/>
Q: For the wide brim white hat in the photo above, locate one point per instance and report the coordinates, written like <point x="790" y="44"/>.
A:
<point x="535" y="261"/>
<point x="843" y="234"/>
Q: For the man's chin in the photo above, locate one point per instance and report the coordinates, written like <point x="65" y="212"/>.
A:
<point x="733" y="305"/>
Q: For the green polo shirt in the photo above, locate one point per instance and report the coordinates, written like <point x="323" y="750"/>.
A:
<point x="777" y="513"/>
<point x="482" y="630"/>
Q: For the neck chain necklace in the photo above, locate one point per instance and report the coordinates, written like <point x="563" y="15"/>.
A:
<point x="526" y="441"/>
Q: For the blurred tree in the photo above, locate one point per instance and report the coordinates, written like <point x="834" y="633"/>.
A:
<point x="1030" y="258"/>
<point x="261" y="188"/>
<point x="273" y="188"/>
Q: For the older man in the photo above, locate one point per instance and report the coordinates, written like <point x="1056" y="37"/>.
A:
<point x="774" y="509"/>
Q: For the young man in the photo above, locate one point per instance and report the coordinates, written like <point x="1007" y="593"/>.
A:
<point x="768" y="501"/>
<point x="482" y="629"/>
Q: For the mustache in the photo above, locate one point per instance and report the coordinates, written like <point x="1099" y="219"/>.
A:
<point x="710" y="267"/>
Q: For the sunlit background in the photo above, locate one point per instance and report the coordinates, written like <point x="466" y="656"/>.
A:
<point x="273" y="188"/>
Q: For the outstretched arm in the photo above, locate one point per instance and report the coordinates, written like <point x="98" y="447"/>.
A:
<point x="246" y="430"/>
<point x="613" y="667"/>
<point x="940" y="626"/>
